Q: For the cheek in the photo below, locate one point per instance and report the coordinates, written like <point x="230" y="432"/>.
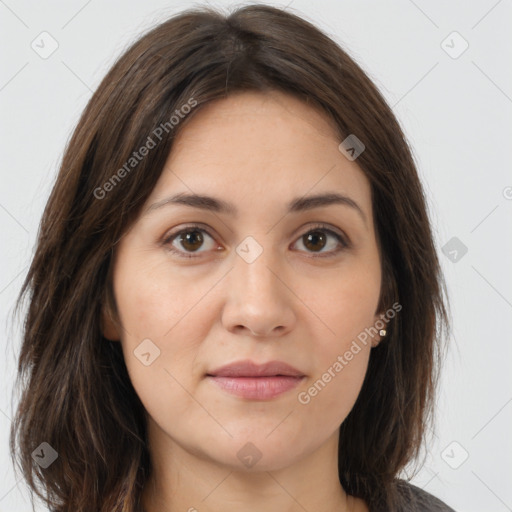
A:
<point x="162" y="308"/>
<point x="345" y="304"/>
<point x="154" y="299"/>
<point x="329" y="395"/>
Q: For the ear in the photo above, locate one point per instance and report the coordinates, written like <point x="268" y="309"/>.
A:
<point x="378" y="337"/>
<point x="108" y="326"/>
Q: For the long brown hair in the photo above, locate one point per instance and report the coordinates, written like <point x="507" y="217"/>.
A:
<point x="76" y="393"/>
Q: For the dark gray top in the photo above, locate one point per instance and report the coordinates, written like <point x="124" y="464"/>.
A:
<point x="414" y="499"/>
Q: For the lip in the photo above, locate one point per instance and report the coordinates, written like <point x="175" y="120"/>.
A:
<point x="248" y="368"/>
<point x="256" y="388"/>
<point x="249" y="380"/>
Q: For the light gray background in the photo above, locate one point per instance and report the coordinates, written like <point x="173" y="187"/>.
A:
<point x="456" y="113"/>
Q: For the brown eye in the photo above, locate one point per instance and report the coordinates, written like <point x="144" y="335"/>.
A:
<point x="315" y="240"/>
<point x="320" y="238"/>
<point x="190" y="242"/>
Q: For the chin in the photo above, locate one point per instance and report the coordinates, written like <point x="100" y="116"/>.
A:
<point x="253" y="453"/>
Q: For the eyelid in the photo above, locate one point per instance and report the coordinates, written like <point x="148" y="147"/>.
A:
<point x="169" y="236"/>
<point x="343" y="240"/>
<point x="312" y="226"/>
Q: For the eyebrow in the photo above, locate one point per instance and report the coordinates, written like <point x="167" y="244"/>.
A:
<point x="296" y="205"/>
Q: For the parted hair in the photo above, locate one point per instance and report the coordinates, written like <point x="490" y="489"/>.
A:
<point x="75" y="391"/>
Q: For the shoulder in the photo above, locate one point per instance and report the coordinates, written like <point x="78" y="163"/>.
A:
<point x="414" y="499"/>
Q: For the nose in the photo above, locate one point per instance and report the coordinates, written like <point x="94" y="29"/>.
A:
<point x="258" y="299"/>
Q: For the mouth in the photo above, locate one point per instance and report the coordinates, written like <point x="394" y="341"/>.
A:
<point x="257" y="388"/>
<point x="249" y="380"/>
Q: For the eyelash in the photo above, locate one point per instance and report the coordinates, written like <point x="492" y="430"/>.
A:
<point x="196" y="227"/>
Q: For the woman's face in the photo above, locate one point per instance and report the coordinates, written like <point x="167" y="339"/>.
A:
<point x="256" y="281"/>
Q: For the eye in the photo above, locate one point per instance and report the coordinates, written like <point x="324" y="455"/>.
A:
<point x="316" y="239"/>
<point x="188" y="241"/>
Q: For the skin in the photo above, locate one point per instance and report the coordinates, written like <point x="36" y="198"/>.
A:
<point x="257" y="151"/>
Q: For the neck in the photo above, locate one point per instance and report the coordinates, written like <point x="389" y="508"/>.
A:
<point x="181" y="481"/>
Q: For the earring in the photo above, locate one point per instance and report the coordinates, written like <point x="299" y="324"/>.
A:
<point x="382" y="333"/>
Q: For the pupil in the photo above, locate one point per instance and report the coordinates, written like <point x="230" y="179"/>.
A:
<point x="194" y="238"/>
<point x="314" y="237"/>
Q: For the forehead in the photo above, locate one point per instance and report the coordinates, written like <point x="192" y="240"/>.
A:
<point x="258" y="149"/>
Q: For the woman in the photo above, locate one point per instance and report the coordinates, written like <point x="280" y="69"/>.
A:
<point x="235" y="301"/>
